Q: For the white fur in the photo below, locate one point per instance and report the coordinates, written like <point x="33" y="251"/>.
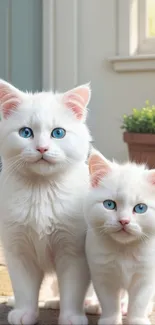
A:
<point x="118" y="259"/>
<point x="41" y="218"/>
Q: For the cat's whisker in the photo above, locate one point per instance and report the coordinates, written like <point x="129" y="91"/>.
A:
<point x="9" y="173"/>
<point x="11" y="168"/>
<point x="13" y="161"/>
<point x="144" y="238"/>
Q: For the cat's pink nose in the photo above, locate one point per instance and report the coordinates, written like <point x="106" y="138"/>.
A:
<point x="42" y="149"/>
<point x="124" y="222"/>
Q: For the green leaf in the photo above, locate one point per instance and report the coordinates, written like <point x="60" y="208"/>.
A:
<point x="141" y="120"/>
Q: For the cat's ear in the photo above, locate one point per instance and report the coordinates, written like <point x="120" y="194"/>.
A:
<point x="77" y="100"/>
<point x="10" y="98"/>
<point x="99" y="167"/>
<point x="151" y="176"/>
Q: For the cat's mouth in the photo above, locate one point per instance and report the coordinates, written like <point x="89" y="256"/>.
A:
<point x="124" y="230"/>
<point x="43" y="160"/>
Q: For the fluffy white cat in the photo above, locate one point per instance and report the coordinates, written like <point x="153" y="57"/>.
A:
<point x="44" y="144"/>
<point x="120" y="243"/>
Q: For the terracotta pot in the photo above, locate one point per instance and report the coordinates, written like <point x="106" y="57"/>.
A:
<point x="141" y="147"/>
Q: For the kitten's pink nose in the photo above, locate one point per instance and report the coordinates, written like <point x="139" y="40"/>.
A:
<point x="42" y="149"/>
<point x="124" y="222"/>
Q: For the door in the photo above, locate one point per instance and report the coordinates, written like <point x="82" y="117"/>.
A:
<point x="21" y="43"/>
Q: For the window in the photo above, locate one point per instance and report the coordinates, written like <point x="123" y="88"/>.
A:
<point x="150" y="18"/>
<point x="135" y="35"/>
<point x="146" y="11"/>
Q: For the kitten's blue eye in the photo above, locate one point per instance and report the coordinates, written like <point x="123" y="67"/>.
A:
<point x="58" y="133"/>
<point x="109" y="204"/>
<point x="140" y="208"/>
<point x="26" y="132"/>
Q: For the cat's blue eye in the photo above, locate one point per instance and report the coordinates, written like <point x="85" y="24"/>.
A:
<point x="140" y="208"/>
<point x="110" y="204"/>
<point x="26" y="132"/>
<point x="58" y="133"/>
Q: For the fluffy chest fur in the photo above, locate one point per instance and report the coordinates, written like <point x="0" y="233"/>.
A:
<point x="44" y="218"/>
<point x="119" y="262"/>
<point x="45" y="206"/>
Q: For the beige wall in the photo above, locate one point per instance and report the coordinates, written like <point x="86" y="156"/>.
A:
<point x="85" y="36"/>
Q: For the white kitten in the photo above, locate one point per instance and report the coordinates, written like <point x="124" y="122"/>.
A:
<point x="44" y="144"/>
<point x="120" y="244"/>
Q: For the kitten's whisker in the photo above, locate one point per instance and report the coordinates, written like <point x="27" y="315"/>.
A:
<point x="10" y="172"/>
<point x="12" y="162"/>
<point x="11" y="168"/>
<point x="8" y="168"/>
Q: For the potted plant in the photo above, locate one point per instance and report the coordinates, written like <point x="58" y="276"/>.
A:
<point x="140" y="134"/>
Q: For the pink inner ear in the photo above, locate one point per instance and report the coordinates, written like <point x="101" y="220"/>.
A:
<point x="9" y="106"/>
<point x="84" y="93"/>
<point x="97" y="177"/>
<point x="8" y="99"/>
<point x="76" y="103"/>
<point x="97" y="163"/>
<point x="77" y="100"/>
<point x="99" y="167"/>
<point x="151" y="177"/>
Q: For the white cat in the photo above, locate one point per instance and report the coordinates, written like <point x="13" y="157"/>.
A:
<point x="44" y="144"/>
<point x="120" y="243"/>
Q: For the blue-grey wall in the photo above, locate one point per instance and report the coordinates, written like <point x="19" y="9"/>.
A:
<point x="21" y="43"/>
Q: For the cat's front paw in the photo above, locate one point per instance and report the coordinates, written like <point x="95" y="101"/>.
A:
<point x="113" y="320"/>
<point x="138" y="321"/>
<point x="72" y="319"/>
<point x="22" y="316"/>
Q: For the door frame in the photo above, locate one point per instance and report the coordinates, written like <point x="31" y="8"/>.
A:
<point x="48" y="55"/>
<point x="60" y="24"/>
